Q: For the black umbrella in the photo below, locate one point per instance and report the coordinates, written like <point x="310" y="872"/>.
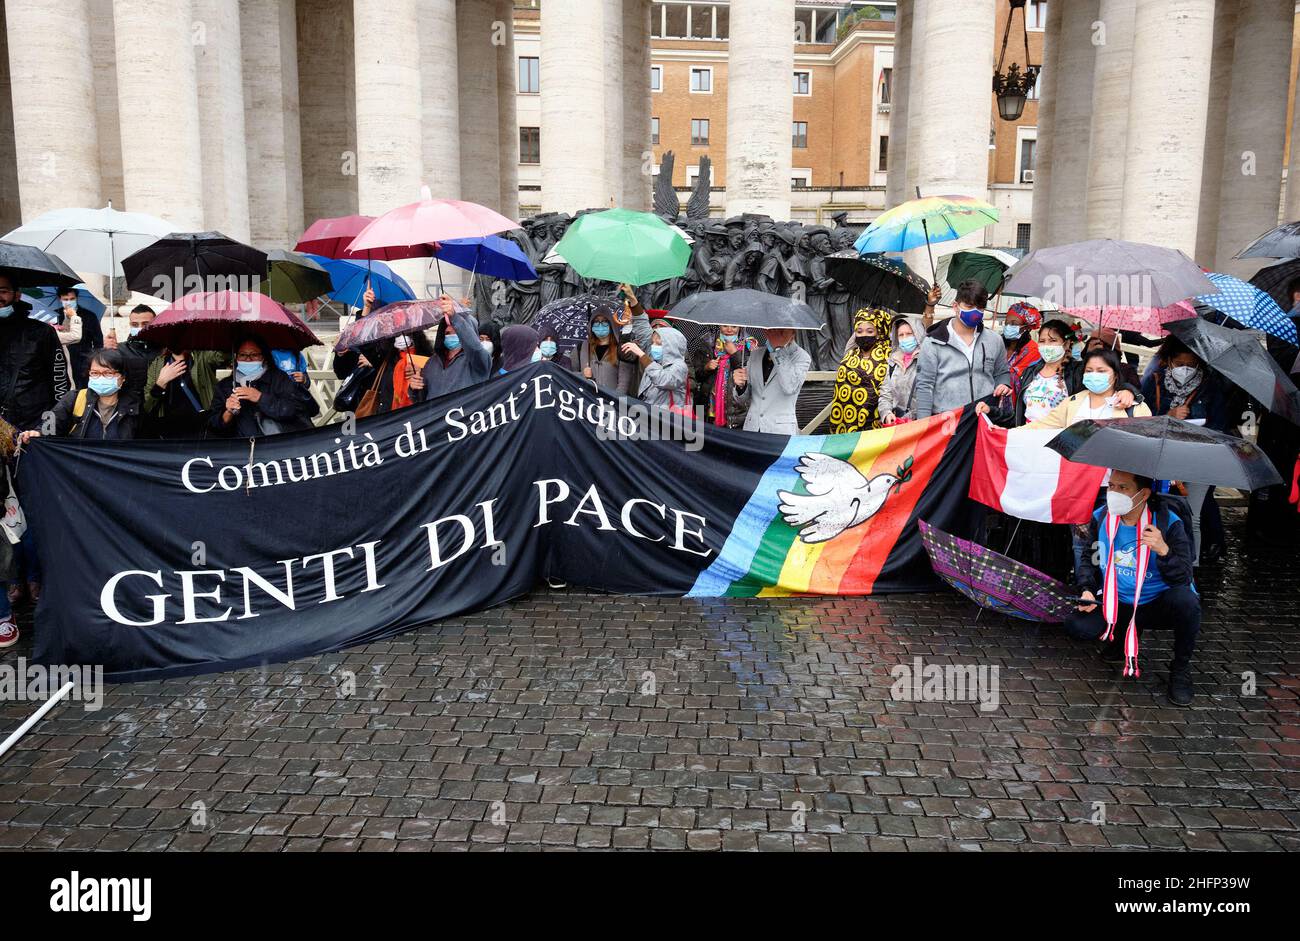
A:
<point x="1276" y="281"/>
<point x="569" y="318"/>
<point x="292" y="278"/>
<point x="745" y="307"/>
<point x="1243" y="359"/>
<point x="193" y="262"/>
<point x="1167" y="448"/>
<point x="879" y="280"/>
<point x="28" y="267"/>
<point x="1281" y="242"/>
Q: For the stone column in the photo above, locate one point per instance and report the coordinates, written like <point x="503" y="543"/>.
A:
<point x="1040" y="228"/>
<point x="11" y="213"/>
<point x="896" y="185"/>
<point x="921" y="9"/>
<point x="507" y="120"/>
<point x="1255" y="135"/>
<point x="480" y="147"/>
<point x="390" y="140"/>
<point x="1110" y="94"/>
<point x="1173" y="41"/>
<point x="219" y="67"/>
<point x="1216" y="122"/>
<point x="55" y="129"/>
<point x="573" y="105"/>
<point x="269" y="30"/>
<point x="637" y="149"/>
<point x="952" y="133"/>
<point x="103" y="54"/>
<point x="327" y="109"/>
<point x="158" y="104"/>
<point x="1291" y="209"/>
<point x="1073" y="122"/>
<point x="613" y="53"/>
<point x="440" y="96"/>
<point x="760" y="108"/>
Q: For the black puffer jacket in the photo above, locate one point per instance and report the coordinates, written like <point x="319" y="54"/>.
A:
<point x="33" y="368"/>
<point x="283" y="401"/>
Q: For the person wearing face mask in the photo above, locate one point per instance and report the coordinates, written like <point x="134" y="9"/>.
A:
<point x="258" y="399"/>
<point x="518" y="347"/>
<point x="459" y="359"/>
<point x="898" y="391"/>
<point x="548" y="345"/>
<point x="713" y="357"/>
<point x="1103" y="395"/>
<point x="137" y="354"/>
<point x="398" y="363"/>
<point x="489" y="335"/>
<point x="1144" y="574"/>
<point x="861" y="373"/>
<point x="80" y="332"/>
<point x="772" y="389"/>
<point x="960" y="361"/>
<point x="1181" y="387"/>
<point x="600" y="359"/>
<point x="33" y="365"/>
<point x="1054" y="378"/>
<point x="1019" y="333"/>
<point x="104" y="410"/>
<point x="662" y="354"/>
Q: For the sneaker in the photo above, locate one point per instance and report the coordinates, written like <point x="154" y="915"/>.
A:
<point x="556" y="583"/>
<point x="8" y="633"/>
<point x="1181" y="691"/>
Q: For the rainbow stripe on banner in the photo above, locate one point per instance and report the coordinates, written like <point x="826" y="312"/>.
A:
<point x="828" y="513"/>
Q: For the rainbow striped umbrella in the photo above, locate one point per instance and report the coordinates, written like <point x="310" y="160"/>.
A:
<point x="923" y="221"/>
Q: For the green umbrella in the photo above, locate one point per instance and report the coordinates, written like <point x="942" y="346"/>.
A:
<point x="624" y="246"/>
<point x="294" y="279"/>
<point x="988" y="267"/>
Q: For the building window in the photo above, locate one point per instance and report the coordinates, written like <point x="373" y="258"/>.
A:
<point x="530" y="145"/>
<point x="886" y="86"/>
<point x="1036" y="14"/>
<point x="883" y="163"/>
<point x="699" y="132"/>
<point x="803" y="83"/>
<point x="1028" y="153"/>
<point x="656" y="78"/>
<point x="1022" y="236"/>
<point x="529" y="77"/>
<point x="800" y="178"/>
<point x="654" y="130"/>
<point x="702" y="81"/>
<point x="800" y="136"/>
<point x="701" y="15"/>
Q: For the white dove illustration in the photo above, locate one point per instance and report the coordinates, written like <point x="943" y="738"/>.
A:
<point x="839" y="497"/>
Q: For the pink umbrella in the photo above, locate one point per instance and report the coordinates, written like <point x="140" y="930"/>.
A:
<point x="1137" y="319"/>
<point x="215" y="320"/>
<point x="331" y="237"/>
<point x="413" y="231"/>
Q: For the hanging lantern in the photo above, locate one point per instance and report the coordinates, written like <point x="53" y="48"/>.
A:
<point x="1013" y="85"/>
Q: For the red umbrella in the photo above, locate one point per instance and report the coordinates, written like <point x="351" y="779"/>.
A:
<point x="217" y="320"/>
<point x="330" y="238"/>
<point x="413" y="231"/>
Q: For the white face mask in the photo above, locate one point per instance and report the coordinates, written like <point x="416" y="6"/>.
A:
<point x="1183" y="374"/>
<point x="487" y="345"/>
<point x="1119" y="504"/>
<point x="402" y="342"/>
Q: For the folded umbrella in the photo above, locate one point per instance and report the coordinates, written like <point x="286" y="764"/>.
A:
<point x="623" y="246"/>
<point x="1280" y="242"/>
<point x="490" y="256"/>
<point x="1108" y="273"/>
<point x="1249" y="306"/>
<point x="1167" y="448"/>
<point x="350" y="279"/>
<point x="194" y="262"/>
<point x="569" y="317"/>
<point x="745" y="307"/>
<point x="1242" y="358"/>
<point x="28" y="266"/>
<point x="995" y="582"/>
<point x="292" y="278"/>
<point x="389" y="321"/>
<point x="879" y="280"/>
<point x="217" y="320"/>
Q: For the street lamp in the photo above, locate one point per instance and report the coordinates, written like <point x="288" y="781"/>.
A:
<point x="1012" y="86"/>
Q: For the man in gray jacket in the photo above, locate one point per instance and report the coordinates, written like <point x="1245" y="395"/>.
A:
<point x="961" y="362"/>
<point x="773" y="388"/>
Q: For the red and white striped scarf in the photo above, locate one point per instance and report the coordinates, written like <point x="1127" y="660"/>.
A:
<point x="1110" y="589"/>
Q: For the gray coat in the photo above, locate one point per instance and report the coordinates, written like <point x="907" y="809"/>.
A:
<point x="899" y="388"/>
<point x="946" y="379"/>
<point x="771" y="401"/>
<point x="662" y="383"/>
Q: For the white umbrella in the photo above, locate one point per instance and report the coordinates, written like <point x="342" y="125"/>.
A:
<point x="92" y="240"/>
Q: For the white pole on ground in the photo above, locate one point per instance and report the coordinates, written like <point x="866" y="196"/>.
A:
<point x="34" y="718"/>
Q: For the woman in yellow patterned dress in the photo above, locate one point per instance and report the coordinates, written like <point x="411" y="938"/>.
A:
<point x="862" y="370"/>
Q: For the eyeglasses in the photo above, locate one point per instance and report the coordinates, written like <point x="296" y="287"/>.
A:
<point x="104" y="374"/>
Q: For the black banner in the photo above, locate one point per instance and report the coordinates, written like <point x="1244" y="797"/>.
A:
<point x="172" y="558"/>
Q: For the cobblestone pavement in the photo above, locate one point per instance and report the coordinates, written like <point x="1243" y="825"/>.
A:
<point x="770" y="726"/>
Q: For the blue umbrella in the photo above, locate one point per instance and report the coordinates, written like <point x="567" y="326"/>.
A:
<point x="491" y="256"/>
<point x="46" y="307"/>
<point x="1249" y="306"/>
<point x="349" y="280"/>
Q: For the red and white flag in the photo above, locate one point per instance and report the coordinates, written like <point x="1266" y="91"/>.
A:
<point x="1017" y="473"/>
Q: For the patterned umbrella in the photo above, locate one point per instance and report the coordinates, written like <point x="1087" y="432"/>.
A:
<point x="879" y="280"/>
<point x="1249" y="306"/>
<point x="569" y="318"/>
<point x="390" y="321"/>
<point x="923" y="221"/>
<point x="994" y="581"/>
<point x="1138" y="319"/>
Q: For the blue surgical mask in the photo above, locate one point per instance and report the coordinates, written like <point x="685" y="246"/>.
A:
<point x="971" y="318"/>
<point x="548" y="348"/>
<point x="134" y="331"/>
<point x="1076" y="352"/>
<point x="908" y="344"/>
<point x="1096" y="382"/>
<point x="102" y="385"/>
<point x="730" y="337"/>
<point x="6" y="311"/>
<point x="600" y="330"/>
<point x="249" y="370"/>
<point x="451" y="341"/>
<point x="536" y="357"/>
<point x="656" y="353"/>
<point x="1010" y="332"/>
